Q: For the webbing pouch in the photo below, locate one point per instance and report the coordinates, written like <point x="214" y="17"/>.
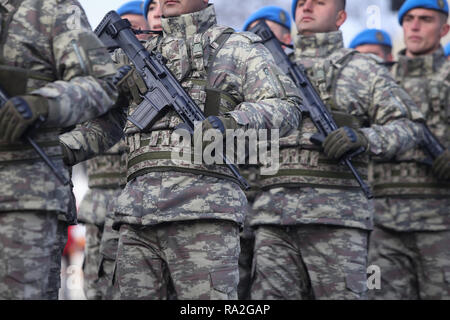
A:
<point x="212" y="103"/>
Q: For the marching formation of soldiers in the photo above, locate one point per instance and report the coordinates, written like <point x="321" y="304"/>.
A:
<point x="157" y="228"/>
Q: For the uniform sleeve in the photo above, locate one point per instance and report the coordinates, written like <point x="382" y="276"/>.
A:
<point x="394" y="116"/>
<point x="270" y="98"/>
<point x="84" y="69"/>
<point x="95" y="136"/>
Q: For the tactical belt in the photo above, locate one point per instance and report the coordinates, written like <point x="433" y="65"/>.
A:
<point x="47" y="139"/>
<point x="406" y="179"/>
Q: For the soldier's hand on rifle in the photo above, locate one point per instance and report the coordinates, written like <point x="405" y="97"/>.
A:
<point x="343" y="141"/>
<point x="219" y="123"/>
<point x="19" y="113"/>
<point x="122" y="80"/>
<point x="441" y="166"/>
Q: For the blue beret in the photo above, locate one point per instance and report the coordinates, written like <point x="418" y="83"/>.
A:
<point x="132" y="7"/>
<point x="271" y="13"/>
<point x="371" y="36"/>
<point x="447" y="49"/>
<point x="146" y="6"/>
<point x="294" y="7"/>
<point x="439" y="5"/>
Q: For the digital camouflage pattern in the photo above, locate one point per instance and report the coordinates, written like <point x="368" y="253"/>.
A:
<point x="309" y="189"/>
<point x="43" y="53"/>
<point x="263" y="98"/>
<point x="360" y="93"/>
<point x="31" y="249"/>
<point x="41" y="42"/>
<point x="106" y="175"/>
<point x="179" y="260"/>
<point x="108" y="252"/>
<point x="409" y="197"/>
<point x="411" y="238"/>
<point x="92" y="213"/>
<point x="414" y="265"/>
<point x="309" y="262"/>
<point x="257" y="95"/>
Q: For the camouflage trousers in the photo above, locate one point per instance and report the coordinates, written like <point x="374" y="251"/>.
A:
<point x="108" y="251"/>
<point x="309" y="262"/>
<point x="32" y="243"/>
<point x="91" y="262"/>
<point x="413" y="265"/>
<point x="178" y="260"/>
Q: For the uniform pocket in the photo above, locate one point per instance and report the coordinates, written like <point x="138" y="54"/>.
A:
<point x="224" y="283"/>
<point x="29" y="277"/>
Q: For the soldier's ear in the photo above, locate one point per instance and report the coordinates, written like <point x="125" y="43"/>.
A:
<point x="341" y="18"/>
<point x="445" y="29"/>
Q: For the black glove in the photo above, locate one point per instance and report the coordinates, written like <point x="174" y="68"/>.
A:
<point x="19" y="114"/>
<point x="343" y="141"/>
<point x="441" y="166"/>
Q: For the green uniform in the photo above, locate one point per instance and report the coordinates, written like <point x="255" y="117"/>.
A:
<point x="43" y="54"/>
<point x="312" y="220"/>
<point x="411" y="239"/>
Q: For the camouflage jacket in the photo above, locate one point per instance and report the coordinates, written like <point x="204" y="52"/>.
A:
<point x="48" y="49"/>
<point x="359" y="93"/>
<point x="106" y="178"/>
<point x="252" y="90"/>
<point x="422" y="200"/>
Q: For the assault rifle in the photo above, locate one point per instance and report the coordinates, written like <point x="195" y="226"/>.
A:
<point x="164" y="90"/>
<point x="313" y="105"/>
<point x="65" y="181"/>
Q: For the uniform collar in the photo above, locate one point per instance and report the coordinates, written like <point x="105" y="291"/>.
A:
<point x="319" y="44"/>
<point x="187" y="25"/>
<point x="422" y="65"/>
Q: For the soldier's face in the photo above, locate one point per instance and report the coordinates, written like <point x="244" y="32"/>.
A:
<point x="138" y="22"/>
<point x="375" y="49"/>
<point x="422" y="31"/>
<point x="173" y="8"/>
<point x="318" y="16"/>
<point x="154" y="16"/>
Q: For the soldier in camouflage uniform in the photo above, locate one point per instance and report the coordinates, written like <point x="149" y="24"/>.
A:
<point x="109" y="237"/>
<point x="59" y="72"/>
<point x="106" y="178"/>
<point x="179" y="222"/>
<point x="106" y="175"/>
<point x="411" y="239"/>
<point x="312" y="220"/>
<point x="279" y="21"/>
